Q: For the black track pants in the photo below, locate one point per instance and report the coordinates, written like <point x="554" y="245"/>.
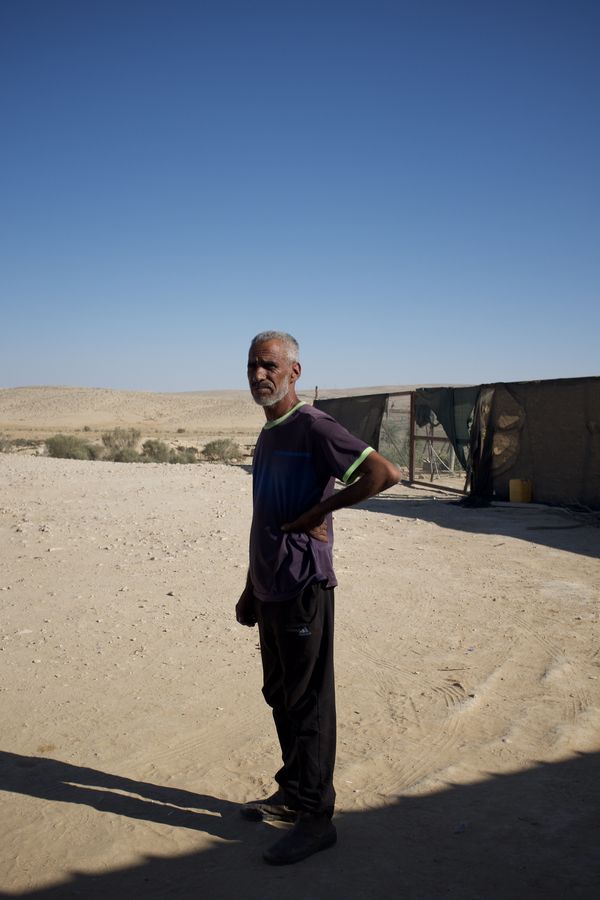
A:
<point x="296" y="641"/>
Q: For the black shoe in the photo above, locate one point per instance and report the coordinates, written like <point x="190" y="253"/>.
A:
<point x="310" y="834"/>
<point x="271" y="809"/>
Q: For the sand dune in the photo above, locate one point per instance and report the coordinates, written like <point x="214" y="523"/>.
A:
<point x="45" y="408"/>
<point x="37" y="412"/>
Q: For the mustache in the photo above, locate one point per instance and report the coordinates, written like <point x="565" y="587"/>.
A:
<point x="259" y="384"/>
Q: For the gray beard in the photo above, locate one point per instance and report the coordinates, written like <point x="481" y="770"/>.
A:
<point x="272" y="399"/>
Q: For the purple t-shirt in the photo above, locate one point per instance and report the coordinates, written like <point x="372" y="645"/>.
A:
<point x="296" y="461"/>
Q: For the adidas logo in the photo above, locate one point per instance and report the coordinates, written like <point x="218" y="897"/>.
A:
<point x="300" y="630"/>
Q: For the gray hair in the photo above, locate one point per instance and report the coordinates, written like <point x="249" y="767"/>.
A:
<point x="293" y="348"/>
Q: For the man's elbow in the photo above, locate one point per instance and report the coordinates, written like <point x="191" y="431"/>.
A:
<point x="387" y="474"/>
<point x="379" y="473"/>
<point x="392" y="475"/>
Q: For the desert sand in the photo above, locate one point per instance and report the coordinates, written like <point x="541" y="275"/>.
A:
<point x="468" y="673"/>
<point x="194" y="416"/>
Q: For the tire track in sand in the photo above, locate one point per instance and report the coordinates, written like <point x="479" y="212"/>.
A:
<point x="425" y="732"/>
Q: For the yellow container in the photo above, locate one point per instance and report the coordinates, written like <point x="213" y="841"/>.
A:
<point x="519" y="490"/>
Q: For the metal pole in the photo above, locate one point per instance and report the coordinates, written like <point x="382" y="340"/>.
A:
<point x="412" y="439"/>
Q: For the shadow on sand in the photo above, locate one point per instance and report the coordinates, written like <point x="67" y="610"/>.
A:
<point x="530" y="834"/>
<point x="550" y="526"/>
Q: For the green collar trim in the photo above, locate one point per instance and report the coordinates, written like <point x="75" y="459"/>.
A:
<point x="284" y="416"/>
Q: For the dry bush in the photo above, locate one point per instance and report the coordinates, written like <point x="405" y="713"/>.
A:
<point x="69" y="446"/>
<point x="96" y="451"/>
<point x="155" y="451"/>
<point x="222" y="450"/>
<point x="126" y="455"/>
<point x="184" y="455"/>
<point x="121" y="443"/>
<point x="121" y="439"/>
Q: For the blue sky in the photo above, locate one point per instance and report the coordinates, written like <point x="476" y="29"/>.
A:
<point x="410" y="188"/>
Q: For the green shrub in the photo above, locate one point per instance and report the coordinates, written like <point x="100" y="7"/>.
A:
<point x="155" y="451"/>
<point x="96" y="451"/>
<point x="184" y="455"/>
<point x="181" y="431"/>
<point x="126" y="455"/>
<point x="120" y="439"/>
<point x="222" y="450"/>
<point x="24" y="442"/>
<point x="6" y="445"/>
<point x="68" y="446"/>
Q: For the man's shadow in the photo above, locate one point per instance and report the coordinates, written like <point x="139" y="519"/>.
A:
<point x="529" y="834"/>
<point x="51" y="779"/>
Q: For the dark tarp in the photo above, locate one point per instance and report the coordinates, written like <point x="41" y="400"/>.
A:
<point x="546" y="432"/>
<point x="453" y="408"/>
<point x="362" y="416"/>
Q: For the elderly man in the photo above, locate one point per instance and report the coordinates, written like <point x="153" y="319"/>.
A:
<point x="289" y="591"/>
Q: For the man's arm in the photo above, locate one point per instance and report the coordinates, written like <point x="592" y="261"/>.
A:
<point x="376" y="474"/>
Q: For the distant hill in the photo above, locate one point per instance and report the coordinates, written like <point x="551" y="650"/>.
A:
<point x="39" y="411"/>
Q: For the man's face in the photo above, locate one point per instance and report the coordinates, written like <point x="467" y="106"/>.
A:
<point x="270" y="372"/>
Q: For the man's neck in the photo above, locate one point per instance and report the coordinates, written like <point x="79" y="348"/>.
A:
<point x="282" y="406"/>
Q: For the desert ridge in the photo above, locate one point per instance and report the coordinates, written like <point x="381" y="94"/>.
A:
<point x="38" y="412"/>
<point x="32" y="414"/>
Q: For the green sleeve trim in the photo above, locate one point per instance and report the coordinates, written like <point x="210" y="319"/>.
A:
<point x="284" y="416"/>
<point x="350" y="472"/>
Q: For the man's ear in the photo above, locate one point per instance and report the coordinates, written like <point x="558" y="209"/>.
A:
<point x="296" y="372"/>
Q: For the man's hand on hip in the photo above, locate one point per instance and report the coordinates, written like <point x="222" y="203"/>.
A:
<point x="311" y="523"/>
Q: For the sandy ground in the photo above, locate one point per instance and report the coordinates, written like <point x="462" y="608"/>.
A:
<point x="188" y="418"/>
<point x="468" y="671"/>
